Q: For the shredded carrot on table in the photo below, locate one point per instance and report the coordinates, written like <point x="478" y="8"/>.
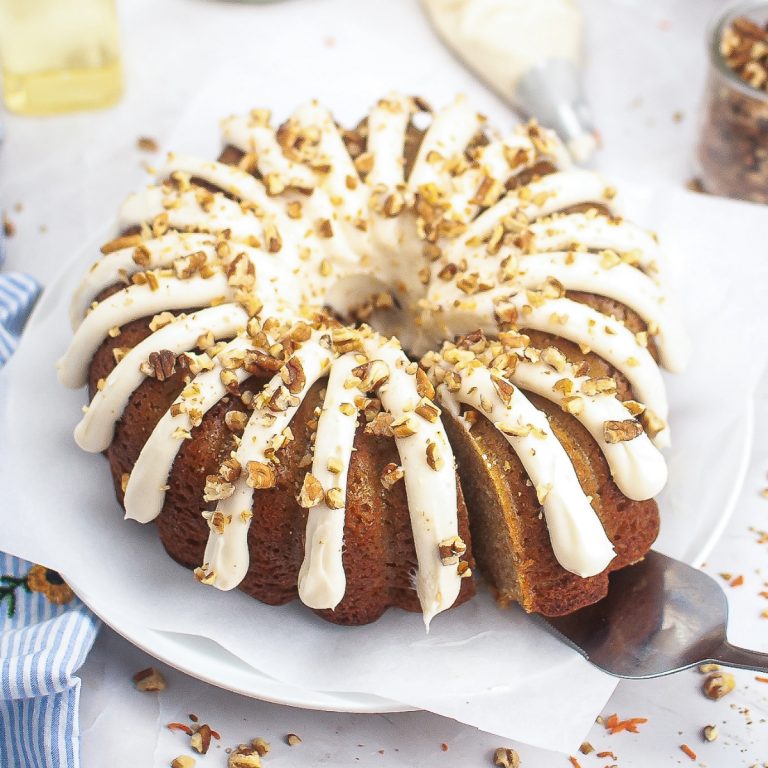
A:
<point x="607" y="754"/>
<point x="614" y="725"/>
<point x="688" y="751"/>
<point x="574" y="762"/>
<point x="738" y="581"/>
<point x="761" y="679"/>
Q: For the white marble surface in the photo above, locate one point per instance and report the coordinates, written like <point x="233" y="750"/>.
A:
<point x="646" y="62"/>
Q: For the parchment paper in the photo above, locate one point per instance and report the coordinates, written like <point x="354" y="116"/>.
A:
<point x="497" y="670"/>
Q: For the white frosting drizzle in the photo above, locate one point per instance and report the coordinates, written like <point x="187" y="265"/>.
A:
<point x="129" y="304"/>
<point x="637" y="466"/>
<point x="226" y="554"/>
<point x="550" y="194"/>
<point x="451" y="130"/>
<point x="109" y="269"/>
<point x="322" y="581"/>
<point x="607" y="337"/>
<point x="248" y="135"/>
<point x="387" y="124"/>
<point x="493" y="160"/>
<point x="96" y="428"/>
<point x="431" y="492"/>
<point x="564" y="231"/>
<point x="229" y="178"/>
<point x="186" y="213"/>
<point x="351" y="203"/>
<point x="147" y="484"/>
<point x="578" y="539"/>
<point x="585" y="272"/>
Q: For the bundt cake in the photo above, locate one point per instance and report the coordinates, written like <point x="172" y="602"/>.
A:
<point x="239" y="341"/>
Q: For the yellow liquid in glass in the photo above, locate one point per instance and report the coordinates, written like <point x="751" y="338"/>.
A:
<point x="62" y="90"/>
<point x="59" y="55"/>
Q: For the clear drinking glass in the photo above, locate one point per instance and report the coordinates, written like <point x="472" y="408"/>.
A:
<point x="59" y="55"/>
<point x="732" y="154"/>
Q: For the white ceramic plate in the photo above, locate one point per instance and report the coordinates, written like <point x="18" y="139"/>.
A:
<point x="688" y="533"/>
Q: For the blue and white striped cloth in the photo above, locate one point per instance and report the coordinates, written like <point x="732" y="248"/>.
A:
<point x="17" y="296"/>
<point x="41" y="648"/>
<point x="42" y="645"/>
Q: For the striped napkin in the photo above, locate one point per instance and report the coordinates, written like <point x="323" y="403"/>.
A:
<point x="45" y="631"/>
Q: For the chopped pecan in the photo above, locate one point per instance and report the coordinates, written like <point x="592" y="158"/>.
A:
<point x="292" y="374"/>
<point x="403" y="427"/>
<point x="371" y="374"/>
<point x="149" y="680"/>
<point x="391" y="474"/>
<point x="201" y="739"/>
<point x="244" y="757"/>
<point x="311" y="493"/>
<point x="260" y="475"/>
<point x="451" y="550"/>
<point x="160" y="365"/>
<point x="621" y="431"/>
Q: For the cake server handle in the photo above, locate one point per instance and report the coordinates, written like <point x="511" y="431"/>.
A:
<point x="734" y="656"/>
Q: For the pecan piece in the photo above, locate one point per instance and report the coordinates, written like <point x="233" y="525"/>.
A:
<point x="160" y="365"/>
<point x="292" y="374"/>
<point x="621" y="431"/>
<point x="149" y="680"/>
<point x="260" y="475"/>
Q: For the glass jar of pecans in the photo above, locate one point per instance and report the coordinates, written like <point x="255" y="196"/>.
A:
<point x="733" y="146"/>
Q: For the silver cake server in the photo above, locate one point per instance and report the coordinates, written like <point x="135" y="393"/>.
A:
<point x="660" y="616"/>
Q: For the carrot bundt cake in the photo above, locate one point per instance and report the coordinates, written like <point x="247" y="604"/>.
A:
<point x="239" y="338"/>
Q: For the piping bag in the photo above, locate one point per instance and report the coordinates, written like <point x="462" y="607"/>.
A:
<point x="529" y="52"/>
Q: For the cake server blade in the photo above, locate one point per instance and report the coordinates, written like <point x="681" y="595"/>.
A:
<point x="660" y="616"/>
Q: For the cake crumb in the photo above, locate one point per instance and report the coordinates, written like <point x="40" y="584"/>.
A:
<point x="260" y="745"/>
<point x="149" y="680"/>
<point x="586" y="748"/>
<point x="709" y="732"/>
<point x="9" y="228"/>
<point x="718" y="684"/>
<point x="147" y="144"/>
<point x="506" y="757"/>
<point x="292" y="740"/>
<point x="243" y="757"/>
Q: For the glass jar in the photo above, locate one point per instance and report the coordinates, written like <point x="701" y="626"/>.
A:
<point x="732" y="153"/>
<point x="59" y="55"/>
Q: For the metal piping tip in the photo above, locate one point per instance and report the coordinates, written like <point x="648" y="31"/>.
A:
<point x="552" y="93"/>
